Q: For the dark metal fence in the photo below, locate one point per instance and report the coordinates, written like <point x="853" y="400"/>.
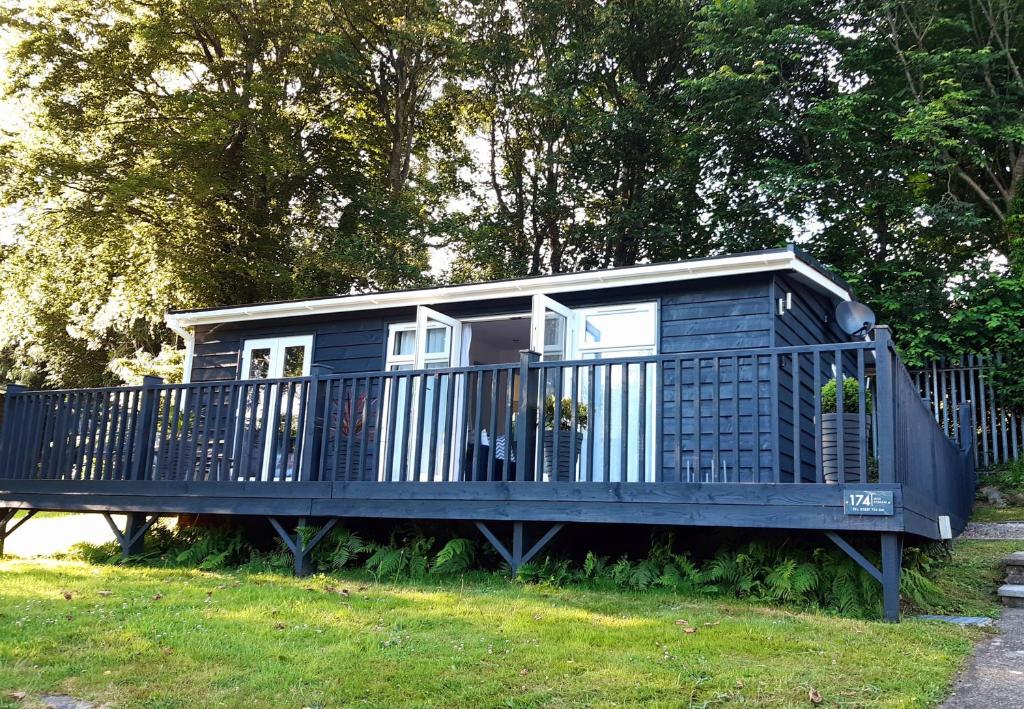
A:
<point x="949" y="383"/>
<point x="846" y="413"/>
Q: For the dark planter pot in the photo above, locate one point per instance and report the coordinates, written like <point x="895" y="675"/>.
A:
<point x="568" y="455"/>
<point x="851" y="447"/>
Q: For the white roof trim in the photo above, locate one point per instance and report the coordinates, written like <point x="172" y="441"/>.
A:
<point x="560" y="283"/>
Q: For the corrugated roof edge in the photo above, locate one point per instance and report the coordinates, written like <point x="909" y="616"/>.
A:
<point x="271" y="309"/>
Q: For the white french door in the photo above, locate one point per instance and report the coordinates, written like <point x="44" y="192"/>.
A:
<point x="552" y="329"/>
<point x="434" y="341"/>
<point x="274" y="358"/>
<point x="277" y="357"/>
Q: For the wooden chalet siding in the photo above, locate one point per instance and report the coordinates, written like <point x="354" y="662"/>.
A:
<point x="346" y="344"/>
<point x="722" y="315"/>
<point x="216" y="356"/>
<point x="810" y="321"/>
<point x="698" y="316"/>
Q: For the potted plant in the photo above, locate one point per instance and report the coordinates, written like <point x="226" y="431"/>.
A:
<point x="568" y="454"/>
<point x="850" y="422"/>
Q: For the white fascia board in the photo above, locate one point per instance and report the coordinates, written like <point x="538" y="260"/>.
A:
<point x="546" y="285"/>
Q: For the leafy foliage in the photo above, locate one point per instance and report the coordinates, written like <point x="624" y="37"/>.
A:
<point x="198" y="153"/>
<point x="851" y="397"/>
<point x="394" y="561"/>
<point x="455" y="557"/>
<point x="790" y="573"/>
<point x="339" y="549"/>
<point x="1009" y="478"/>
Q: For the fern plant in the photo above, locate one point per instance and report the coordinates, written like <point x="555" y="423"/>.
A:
<point x="395" y="561"/>
<point x="339" y="549"/>
<point x="455" y="557"/>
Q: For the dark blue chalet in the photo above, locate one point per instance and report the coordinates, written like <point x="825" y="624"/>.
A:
<point x="695" y="393"/>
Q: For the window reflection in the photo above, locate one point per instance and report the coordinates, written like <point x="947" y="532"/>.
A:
<point x="259" y="363"/>
<point x="617" y="329"/>
<point x="294" y="361"/>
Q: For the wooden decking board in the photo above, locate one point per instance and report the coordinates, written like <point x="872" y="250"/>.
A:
<point x="781" y="506"/>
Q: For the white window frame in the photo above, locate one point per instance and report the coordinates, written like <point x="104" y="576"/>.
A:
<point x="541" y="305"/>
<point x="394" y="361"/>
<point x="277" y="346"/>
<point x="595" y="351"/>
<point x="583" y="348"/>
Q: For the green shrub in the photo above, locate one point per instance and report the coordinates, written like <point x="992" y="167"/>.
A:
<point x="851" y="397"/>
<point x="1009" y="478"/>
<point x="340" y="548"/>
<point x="564" y="414"/>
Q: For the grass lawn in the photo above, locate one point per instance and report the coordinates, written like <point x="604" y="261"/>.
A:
<point x="969" y="580"/>
<point x="988" y="513"/>
<point x="151" y="637"/>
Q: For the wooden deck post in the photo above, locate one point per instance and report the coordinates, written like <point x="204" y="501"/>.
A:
<point x="132" y="539"/>
<point x="892" y="565"/>
<point x="299" y="548"/>
<point x="312" y="436"/>
<point x="526" y="422"/>
<point x="885" y="405"/>
<point x="517" y="556"/>
<point x="142" y="449"/>
<point x="135" y="534"/>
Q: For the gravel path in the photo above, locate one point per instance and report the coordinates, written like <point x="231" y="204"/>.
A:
<point x="994" y="530"/>
<point x="994" y="679"/>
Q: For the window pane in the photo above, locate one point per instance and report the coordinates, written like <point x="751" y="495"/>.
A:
<point x="437" y="340"/>
<point x="554" y="332"/>
<point x="630" y="327"/>
<point x="405" y="342"/>
<point x="259" y="363"/>
<point x="294" y="360"/>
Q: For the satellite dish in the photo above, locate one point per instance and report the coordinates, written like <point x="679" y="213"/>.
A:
<point x="855" y="319"/>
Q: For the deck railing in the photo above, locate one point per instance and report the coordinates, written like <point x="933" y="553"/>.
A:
<point x="748" y="416"/>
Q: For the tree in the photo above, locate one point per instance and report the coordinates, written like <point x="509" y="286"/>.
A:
<point x="205" y="152"/>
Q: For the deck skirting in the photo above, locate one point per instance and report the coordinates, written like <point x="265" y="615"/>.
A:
<point x="752" y="505"/>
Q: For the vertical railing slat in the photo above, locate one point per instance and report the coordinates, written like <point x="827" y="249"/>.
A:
<point x="798" y="471"/>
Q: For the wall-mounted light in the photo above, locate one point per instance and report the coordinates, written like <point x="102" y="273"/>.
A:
<point x="785" y="303"/>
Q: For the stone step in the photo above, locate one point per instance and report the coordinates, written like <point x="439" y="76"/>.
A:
<point x="1012" y="595"/>
<point x="1016" y="559"/>
<point x="1014" y="564"/>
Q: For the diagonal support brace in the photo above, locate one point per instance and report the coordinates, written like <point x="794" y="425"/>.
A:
<point x="131" y="539"/>
<point x="300" y="550"/>
<point x="517" y="557"/>
<point x="888" y="575"/>
<point x="5" y="531"/>
<point x="855" y="555"/>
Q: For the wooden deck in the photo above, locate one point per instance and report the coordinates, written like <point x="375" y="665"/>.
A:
<point x="719" y="439"/>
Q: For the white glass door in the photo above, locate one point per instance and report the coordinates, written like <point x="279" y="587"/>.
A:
<point x="608" y="333"/>
<point x="552" y="335"/>
<point x="434" y="341"/>
<point x="277" y="357"/>
<point x="552" y="328"/>
<point x="273" y="358"/>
